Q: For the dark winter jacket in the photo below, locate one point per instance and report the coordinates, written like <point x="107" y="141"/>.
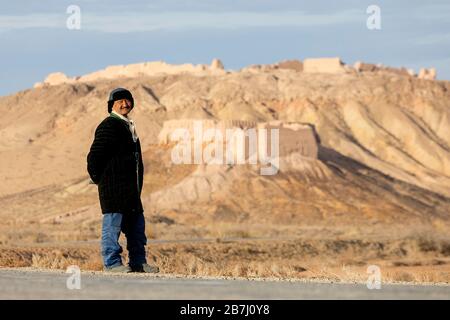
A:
<point x="115" y="164"/>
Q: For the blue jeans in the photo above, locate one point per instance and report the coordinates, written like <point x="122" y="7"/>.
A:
<point x="133" y="226"/>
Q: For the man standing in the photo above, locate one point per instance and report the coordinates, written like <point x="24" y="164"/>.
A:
<point x="115" y="164"/>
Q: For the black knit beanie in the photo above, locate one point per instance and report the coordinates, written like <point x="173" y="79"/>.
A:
<point x="118" y="94"/>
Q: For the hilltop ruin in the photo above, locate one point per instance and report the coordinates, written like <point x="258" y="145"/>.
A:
<point x="152" y="68"/>
<point x="335" y="65"/>
<point x="332" y="65"/>
<point x="243" y="138"/>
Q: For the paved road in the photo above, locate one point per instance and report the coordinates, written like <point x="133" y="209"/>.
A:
<point x="25" y="284"/>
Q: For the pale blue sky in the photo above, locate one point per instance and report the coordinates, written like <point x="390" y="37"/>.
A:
<point x="35" y="40"/>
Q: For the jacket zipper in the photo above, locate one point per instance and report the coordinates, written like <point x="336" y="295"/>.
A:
<point x="137" y="168"/>
<point x="136" y="154"/>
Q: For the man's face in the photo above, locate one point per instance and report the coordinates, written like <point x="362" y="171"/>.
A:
<point x="122" y="106"/>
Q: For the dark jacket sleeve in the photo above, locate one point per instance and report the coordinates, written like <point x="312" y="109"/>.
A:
<point x="101" y="151"/>
<point x="141" y="166"/>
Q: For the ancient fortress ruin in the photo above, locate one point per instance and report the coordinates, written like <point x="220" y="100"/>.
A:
<point x="336" y="66"/>
<point x="311" y="65"/>
<point x="134" y="70"/>
<point x="292" y="137"/>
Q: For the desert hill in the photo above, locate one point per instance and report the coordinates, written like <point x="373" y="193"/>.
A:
<point x="383" y="138"/>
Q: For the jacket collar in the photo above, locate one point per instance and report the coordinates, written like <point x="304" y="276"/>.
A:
<point x="119" y="116"/>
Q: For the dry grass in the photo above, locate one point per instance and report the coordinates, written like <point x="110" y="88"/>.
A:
<point x="407" y="260"/>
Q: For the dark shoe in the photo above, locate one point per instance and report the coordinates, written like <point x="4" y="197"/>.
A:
<point x="120" y="268"/>
<point x="150" y="269"/>
<point x="146" y="268"/>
